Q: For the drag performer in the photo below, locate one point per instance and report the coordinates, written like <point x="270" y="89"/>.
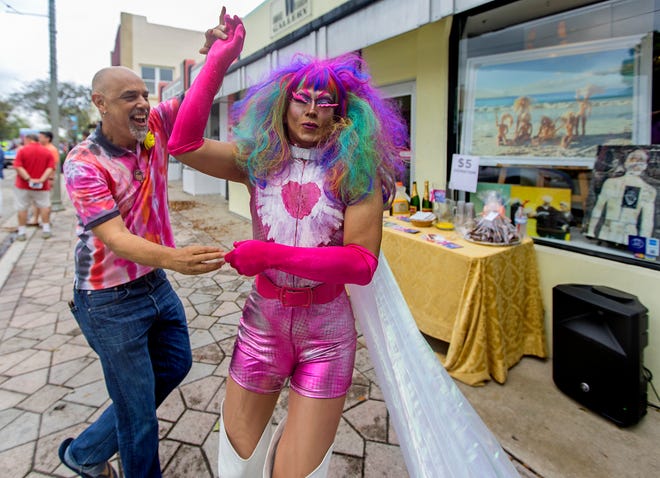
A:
<point x="318" y="149"/>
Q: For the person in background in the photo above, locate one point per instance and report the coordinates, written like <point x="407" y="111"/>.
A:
<point x="318" y="150"/>
<point x="550" y="221"/>
<point x="33" y="164"/>
<point x="2" y="175"/>
<point x="46" y="140"/>
<point x="122" y="299"/>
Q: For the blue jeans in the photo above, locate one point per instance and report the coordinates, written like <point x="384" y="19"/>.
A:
<point x="140" y="334"/>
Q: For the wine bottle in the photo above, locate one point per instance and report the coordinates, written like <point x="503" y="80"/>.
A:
<point x="427" y="205"/>
<point x="414" y="199"/>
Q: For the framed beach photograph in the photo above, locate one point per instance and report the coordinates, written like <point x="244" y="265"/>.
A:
<point x="555" y="106"/>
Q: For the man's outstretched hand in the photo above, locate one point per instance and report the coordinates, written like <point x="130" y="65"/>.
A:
<point x="192" y="260"/>
<point x="225" y="30"/>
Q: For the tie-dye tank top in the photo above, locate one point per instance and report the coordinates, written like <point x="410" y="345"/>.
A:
<point x="293" y="209"/>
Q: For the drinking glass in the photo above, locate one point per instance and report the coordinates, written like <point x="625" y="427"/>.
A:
<point x="459" y="214"/>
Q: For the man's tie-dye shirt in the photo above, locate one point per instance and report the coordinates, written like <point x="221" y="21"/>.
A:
<point x="105" y="181"/>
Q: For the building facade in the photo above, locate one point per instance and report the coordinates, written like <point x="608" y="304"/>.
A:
<point x="158" y="53"/>
<point x="554" y="97"/>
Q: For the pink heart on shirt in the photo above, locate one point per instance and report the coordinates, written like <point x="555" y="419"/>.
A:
<point x="300" y="199"/>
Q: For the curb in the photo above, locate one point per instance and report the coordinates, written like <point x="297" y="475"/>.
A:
<point x="10" y="256"/>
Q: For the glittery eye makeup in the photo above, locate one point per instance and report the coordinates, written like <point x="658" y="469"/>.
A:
<point x="299" y="98"/>
<point x="323" y="100"/>
<point x="320" y="104"/>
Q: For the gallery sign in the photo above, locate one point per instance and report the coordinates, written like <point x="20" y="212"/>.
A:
<point x="287" y="13"/>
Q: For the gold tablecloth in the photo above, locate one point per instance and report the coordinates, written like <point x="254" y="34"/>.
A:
<point x="483" y="300"/>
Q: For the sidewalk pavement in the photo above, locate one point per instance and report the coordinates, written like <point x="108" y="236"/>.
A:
<point x="51" y="384"/>
<point x="51" y="381"/>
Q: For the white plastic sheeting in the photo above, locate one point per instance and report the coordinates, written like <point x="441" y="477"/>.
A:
<point x="440" y="433"/>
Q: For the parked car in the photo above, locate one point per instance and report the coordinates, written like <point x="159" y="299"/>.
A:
<point x="9" y="157"/>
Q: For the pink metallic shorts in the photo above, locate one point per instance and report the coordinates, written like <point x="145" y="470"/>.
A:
<point x="315" y="346"/>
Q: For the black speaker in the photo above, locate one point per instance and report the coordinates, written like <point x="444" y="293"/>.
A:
<point x="598" y="340"/>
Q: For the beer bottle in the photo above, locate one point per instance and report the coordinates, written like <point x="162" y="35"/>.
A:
<point x="427" y="205"/>
<point x="414" y="199"/>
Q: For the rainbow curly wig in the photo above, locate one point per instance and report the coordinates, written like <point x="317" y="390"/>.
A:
<point x="364" y="145"/>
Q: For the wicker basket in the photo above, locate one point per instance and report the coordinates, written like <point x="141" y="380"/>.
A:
<point x="422" y="223"/>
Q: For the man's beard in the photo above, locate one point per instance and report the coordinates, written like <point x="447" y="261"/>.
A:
<point x="138" y="133"/>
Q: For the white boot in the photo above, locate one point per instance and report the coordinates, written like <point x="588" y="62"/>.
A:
<point x="320" y="471"/>
<point x="231" y="465"/>
<point x="272" y="448"/>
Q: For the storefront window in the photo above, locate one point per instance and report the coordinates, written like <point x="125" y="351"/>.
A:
<point x="404" y="105"/>
<point x="403" y="97"/>
<point x="561" y="113"/>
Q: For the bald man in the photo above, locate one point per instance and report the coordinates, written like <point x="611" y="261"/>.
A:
<point x="122" y="300"/>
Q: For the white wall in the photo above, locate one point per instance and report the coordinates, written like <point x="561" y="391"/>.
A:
<point x="150" y="44"/>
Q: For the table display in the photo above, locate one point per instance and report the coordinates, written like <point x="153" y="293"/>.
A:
<point x="484" y="301"/>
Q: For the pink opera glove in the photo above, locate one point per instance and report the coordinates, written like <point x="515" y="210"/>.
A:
<point x="350" y="264"/>
<point x="187" y="134"/>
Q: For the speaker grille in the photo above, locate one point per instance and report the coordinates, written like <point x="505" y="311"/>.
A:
<point x="598" y="339"/>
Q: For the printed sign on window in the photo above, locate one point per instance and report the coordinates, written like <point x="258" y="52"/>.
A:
<point x="464" y="173"/>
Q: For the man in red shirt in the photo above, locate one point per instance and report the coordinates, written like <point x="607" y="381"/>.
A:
<point x="46" y="140"/>
<point x="34" y="165"/>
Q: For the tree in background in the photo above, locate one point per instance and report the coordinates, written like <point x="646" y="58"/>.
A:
<point x="9" y="122"/>
<point x="74" y="102"/>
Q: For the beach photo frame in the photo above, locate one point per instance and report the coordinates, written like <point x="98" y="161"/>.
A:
<point x="554" y="106"/>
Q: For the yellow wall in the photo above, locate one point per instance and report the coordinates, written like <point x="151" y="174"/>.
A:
<point x="562" y="267"/>
<point x="126" y="40"/>
<point x="239" y="199"/>
<point x="422" y="56"/>
<point x="432" y="95"/>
